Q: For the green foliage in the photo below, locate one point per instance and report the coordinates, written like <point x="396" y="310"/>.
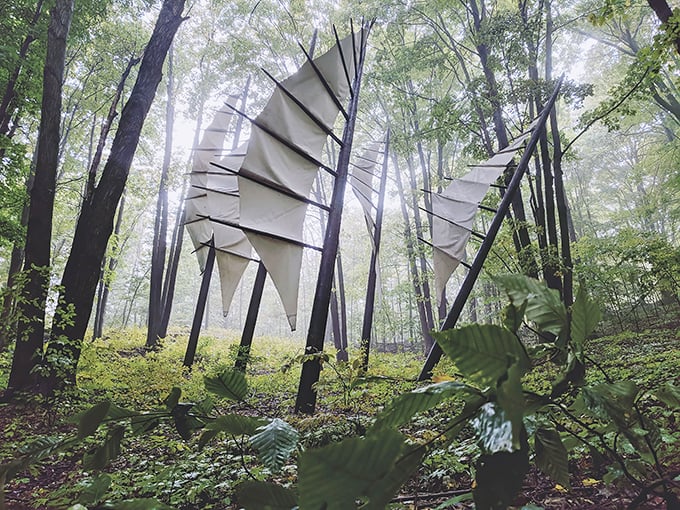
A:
<point x="543" y="305"/>
<point x="483" y="353"/>
<point x="371" y="469"/>
<point x="551" y="455"/>
<point x="213" y="455"/>
<point x="633" y="274"/>
<point x="402" y="408"/>
<point x="275" y="442"/>
<point x="254" y="495"/>
<point x="229" y="384"/>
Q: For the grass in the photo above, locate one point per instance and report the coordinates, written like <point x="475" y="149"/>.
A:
<point x="164" y="466"/>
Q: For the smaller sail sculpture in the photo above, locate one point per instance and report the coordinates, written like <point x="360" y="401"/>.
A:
<point x="212" y="206"/>
<point x="454" y="211"/>
<point x="282" y="161"/>
<point x="361" y="180"/>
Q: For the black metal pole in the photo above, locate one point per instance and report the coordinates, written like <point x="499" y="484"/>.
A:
<point x="373" y="271"/>
<point x="435" y="353"/>
<point x="249" y="327"/>
<point x="306" y="397"/>
<point x="200" y="306"/>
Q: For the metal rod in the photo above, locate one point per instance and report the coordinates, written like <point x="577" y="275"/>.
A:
<point x="473" y="232"/>
<point x="200" y="306"/>
<point x="263" y="233"/>
<point x="243" y="355"/>
<point x="221" y="192"/>
<point x="344" y="62"/>
<point x="462" y="263"/>
<point x="324" y="82"/>
<point x="297" y="150"/>
<point x="306" y="397"/>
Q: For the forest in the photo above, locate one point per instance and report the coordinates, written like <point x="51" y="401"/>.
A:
<point x="339" y="254"/>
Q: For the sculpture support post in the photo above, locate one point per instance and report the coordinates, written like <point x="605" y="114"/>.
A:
<point x="249" y="328"/>
<point x="200" y="306"/>
<point x="306" y="397"/>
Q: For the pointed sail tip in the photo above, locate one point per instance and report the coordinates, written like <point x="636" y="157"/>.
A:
<point x="292" y="320"/>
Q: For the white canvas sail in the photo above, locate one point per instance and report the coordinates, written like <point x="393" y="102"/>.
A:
<point x="454" y="210"/>
<point x="233" y="250"/>
<point x="209" y="149"/>
<point x="361" y="180"/>
<point x="269" y="160"/>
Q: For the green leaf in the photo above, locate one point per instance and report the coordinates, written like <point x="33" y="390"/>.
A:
<point x="118" y="413"/>
<point x="89" y="421"/>
<point x="574" y="374"/>
<point x="100" y="456"/>
<point x="669" y="394"/>
<point x="206" y="437"/>
<point x="543" y="305"/>
<point x="551" y="455"/>
<point x="173" y="398"/>
<point x="611" y="401"/>
<point x="274" y="443"/>
<point x="585" y="316"/>
<point x="382" y="492"/>
<point x="185" y="424"/>
<point x="461" y="498"/>
<point x="236" y="424"/>
<point x="403" y="407"/>
<point x="494" y="429"/>
<point x="511" y="399"/>
<point x="229" y="384"/>
<point x="483" y="352"/>
<point x="513" y="316"/>
<point x="95" y="491"/>
<point x="335" y="476"/>
<point x="253" y="495"/>
<point x="143" y="423"/>
<point x="205" y="406"/>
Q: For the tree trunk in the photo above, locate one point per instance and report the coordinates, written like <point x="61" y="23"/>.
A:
<point x="177" y="242"/>
<point x="664" y="12"/>
<point x="105" y="129"/>
<point x="420" y="256"/>
<point x="39" y="233"/>
<point x="416" y="278"/>
<point x="95" y="223"/>
<point x="104" y="281"/>
<point x="161" y="224"/>
<point x="520" y="233"/>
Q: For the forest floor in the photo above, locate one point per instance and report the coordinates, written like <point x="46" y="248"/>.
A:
<point x="162" y="465"/>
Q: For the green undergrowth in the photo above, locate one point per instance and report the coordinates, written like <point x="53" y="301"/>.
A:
<point x="187" y="474"/>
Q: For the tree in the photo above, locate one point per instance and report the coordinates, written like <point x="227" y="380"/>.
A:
<point x="155" y="315"/>
<point x="37" y="258"/>
<point x="95" y="223"/>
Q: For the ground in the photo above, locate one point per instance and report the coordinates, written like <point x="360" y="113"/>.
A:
<point x="165" y="466"/>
